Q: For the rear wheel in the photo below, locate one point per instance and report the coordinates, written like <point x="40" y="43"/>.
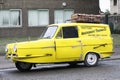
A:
<point x="91" y="59"/>
<point x="22" y="66"/>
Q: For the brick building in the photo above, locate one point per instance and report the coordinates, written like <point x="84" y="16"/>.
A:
<point x="20" y="18"/>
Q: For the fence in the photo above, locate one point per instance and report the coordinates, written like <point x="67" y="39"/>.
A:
<point x="113" y="21"/>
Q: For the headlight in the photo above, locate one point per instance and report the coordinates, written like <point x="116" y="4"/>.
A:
<point x="15" y="48"/>
<point x="6" y="49"/>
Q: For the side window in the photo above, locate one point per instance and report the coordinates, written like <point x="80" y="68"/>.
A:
<point x="70" y="32"/>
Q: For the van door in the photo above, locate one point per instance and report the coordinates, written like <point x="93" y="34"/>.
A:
<point x="68" y="44"/>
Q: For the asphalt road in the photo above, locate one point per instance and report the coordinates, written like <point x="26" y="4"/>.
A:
<point x="106" y="70"/>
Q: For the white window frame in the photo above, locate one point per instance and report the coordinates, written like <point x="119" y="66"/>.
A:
<point x="38" y="10"/>
<point x="63" y="14"/>
<point x="10" y="25"/>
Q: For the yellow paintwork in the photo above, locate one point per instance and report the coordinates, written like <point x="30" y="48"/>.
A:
<point x="92" y="38"/>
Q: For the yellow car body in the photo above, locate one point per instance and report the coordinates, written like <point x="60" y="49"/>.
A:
<point x="67" y="42"/>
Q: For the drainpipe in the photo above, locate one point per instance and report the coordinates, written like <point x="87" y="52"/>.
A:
<point x="106" y="18"/>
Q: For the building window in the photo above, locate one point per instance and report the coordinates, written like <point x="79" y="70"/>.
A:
<point x="38" y="17"/>
<point x="114" y="2"/>
<point x="10" y="18"/>
<point x="60" y="16"/>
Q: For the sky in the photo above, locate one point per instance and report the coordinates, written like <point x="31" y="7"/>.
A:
<point x="104" y="5"/>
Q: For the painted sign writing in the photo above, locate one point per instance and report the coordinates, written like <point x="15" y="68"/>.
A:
<point x="93" y="31"/>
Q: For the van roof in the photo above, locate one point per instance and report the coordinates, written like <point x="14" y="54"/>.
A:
<point x="89" y="24"/>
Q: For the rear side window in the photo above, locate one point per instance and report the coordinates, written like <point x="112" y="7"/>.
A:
<point x="70" y="32"/>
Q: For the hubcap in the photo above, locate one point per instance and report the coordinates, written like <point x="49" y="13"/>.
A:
<point x="91" y="59"/>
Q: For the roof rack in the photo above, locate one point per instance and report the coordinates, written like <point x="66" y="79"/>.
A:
<point x="85" y="18"/>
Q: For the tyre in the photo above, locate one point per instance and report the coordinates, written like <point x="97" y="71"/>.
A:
<point x="23" y="67"/>
<point x="91" y="59"/>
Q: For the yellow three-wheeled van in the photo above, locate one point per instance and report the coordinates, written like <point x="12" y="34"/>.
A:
<point x="67" y="42"/>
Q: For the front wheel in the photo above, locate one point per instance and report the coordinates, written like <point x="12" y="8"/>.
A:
<point x="91" y="59"/>
<point x="22" y="66"/>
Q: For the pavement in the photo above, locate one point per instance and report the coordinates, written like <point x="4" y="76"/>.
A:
<point x="5" y="64"/>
